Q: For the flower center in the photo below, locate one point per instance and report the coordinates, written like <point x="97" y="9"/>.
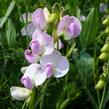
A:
<point x="49" y="70"/>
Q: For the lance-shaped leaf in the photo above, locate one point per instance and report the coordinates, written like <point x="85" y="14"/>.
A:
<point x="89" y="29"/>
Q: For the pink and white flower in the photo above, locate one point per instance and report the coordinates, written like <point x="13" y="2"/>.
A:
<point x="40" y="18"/>
<point x="41" y="44"/>
<point x="70" y="26"/>
<point x="50" y="65"/>
<point x="33" y="76"/>
<point x="55" y="64"/>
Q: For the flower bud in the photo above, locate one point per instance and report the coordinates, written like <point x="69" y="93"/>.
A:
<point x="104" y="56"/>
<point x="107" y="29"/>
<point x="106" y="21"/>
<point x="53" y="17"/>
<point x="100" y="85"/>
<point x="105" y="48"/>
<point x="70" y="26"/>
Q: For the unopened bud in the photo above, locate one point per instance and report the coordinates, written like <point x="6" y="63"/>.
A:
<point x="107" y="29"/>
<point x="105" y="48"/>
<point x="100" y="85"/>
<point x="106" y="21"/>
<point x="53" y="17"/>
<point x="104" y="56"/>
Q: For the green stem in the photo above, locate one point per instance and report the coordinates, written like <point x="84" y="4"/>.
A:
<point x="43" y="95"/>
<point x="104" y="90"/>
<point x="71" y="49"/>
<point x="69" y="100"/>
<point x="23" y="107"/>
<point x="32" y="99"/>
<point x="91" y="98"/>
<point x="98" y="95"/>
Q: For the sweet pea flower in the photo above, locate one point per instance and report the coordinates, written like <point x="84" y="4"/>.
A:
<point x="30" y="57"/>
<point x="35" y="20"/>
<point x="41" y="44"/>
<point x="55" y="64"/>
<point x="70" y="26"/>
<point x="40" y="18"/>
<point x="50" y="65"/>
<point x="33" y="76"/>
<point x="20" y="93"/>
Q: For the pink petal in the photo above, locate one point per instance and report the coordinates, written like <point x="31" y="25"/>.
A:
<point x="30" y="57"/>
<point x="38" y="19"/>
<point x="48" y="69"/>
<point x="63" y="25"/>
<point x="35" y="47"/>
<point x="74" y="27"/>
<point x="27" y="82"/>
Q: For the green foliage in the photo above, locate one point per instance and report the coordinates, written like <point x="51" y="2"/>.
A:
<point x="77" y="88"/>
<point x="89" y="30"/>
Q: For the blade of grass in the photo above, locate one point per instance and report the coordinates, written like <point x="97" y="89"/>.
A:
<point x="8" y="12"/>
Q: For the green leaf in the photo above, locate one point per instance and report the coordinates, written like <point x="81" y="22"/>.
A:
<point x="11" y="34"/>
<point x="89" y="29"/>
<point x="85" y="65"/>
<point x="8" y="12"/>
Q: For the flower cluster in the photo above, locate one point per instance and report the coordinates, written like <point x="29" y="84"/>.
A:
<point x="45" y="59"/>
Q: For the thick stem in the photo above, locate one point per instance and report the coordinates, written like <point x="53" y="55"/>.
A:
<point x="32" y="99"/>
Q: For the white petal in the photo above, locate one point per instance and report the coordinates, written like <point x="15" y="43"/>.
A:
<point x="35" y="73"/>
<point x="28" y="30"/>
<point x="37" y="35"/>
<point x="53" y="58"/>
<point x="32" y="69"/>
<point x="62" y="67"/>
<point x="48" y="44"/>
<point x="26" y="17"/>
<point x="46" y="14"/>
<point x="19" y="93"/>
<point x="39" y="78"/>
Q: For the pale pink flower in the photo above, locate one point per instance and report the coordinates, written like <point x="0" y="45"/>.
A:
<point x="40" y="18"/>
<point x="33" y="76"/>
<point x="41" y="44"/>
<point x="50" y="65"/>
<point x="55" y="64"/>
<point x="70" y="26"/>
